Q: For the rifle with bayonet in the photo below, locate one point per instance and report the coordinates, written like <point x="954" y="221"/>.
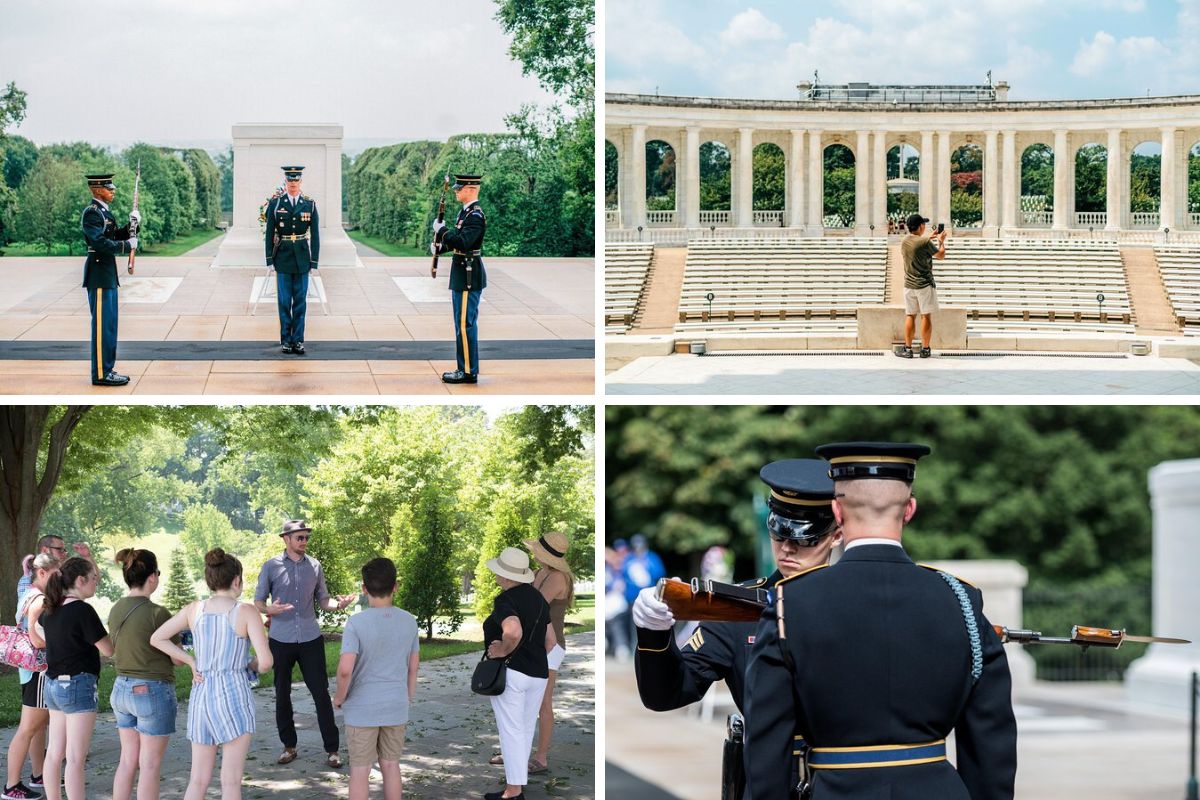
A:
<point x="133" y="220"/>
<point x="708" y="600"/>
<point x="441" y="217"/>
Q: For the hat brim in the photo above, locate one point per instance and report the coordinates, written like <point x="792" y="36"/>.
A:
<point x="295" y="530"/>
<point x="545" y="557"/>
<point x="504" y="572"/>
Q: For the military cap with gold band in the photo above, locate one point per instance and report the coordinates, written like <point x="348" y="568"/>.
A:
<point x="464" y="179"/>
<point x="801" y="498"/>
<point x="101" y="181"/>
<point x="293" y="173"/>
<point x="887" y="460"/>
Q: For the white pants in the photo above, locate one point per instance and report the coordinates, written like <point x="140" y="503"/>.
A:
<point x="516" y="716"/>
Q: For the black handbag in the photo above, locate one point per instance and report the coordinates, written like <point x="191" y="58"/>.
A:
<point x="491" y="673"/>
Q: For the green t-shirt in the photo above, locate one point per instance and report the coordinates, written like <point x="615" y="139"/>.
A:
<point x="134" y="656"/>
<point x="918" y="252"/>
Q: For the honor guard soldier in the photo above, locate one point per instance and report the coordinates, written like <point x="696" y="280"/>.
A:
<point x="105" y="241"/>
<point x="293" y="240"/>
<point x="467" y="276"/>
<point x="803" y="532"/>
<point x="899" y="656"/>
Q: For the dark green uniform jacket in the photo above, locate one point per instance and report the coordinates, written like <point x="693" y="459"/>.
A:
<point x="293" y="235"/>
<point x="105" y="241"/>
<point x="465" y="240"/>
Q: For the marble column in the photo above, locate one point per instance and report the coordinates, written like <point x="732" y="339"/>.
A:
<point x="816" y="184"/>
<point x="1166" y="197"/>
<point x="926" y="190"/>
<point x="1063" y="159"/>
<point x="943" y="181"/>
<point x="637" y="183"/>
<point x="879" y="183"/>
<point x="691" y="171"/>
<point x="1114" y="197"/>
<point x="1010" y="185"/>
<point x="862" y="182"/>
<point x="795" y="181"/>
<point x="991" y="182"/>
<point x="744" y="163"/>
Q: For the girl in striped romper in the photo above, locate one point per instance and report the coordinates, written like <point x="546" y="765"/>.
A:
<point x="221" y="709"/>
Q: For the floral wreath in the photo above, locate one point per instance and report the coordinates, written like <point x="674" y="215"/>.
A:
<point x="262" y="210"/>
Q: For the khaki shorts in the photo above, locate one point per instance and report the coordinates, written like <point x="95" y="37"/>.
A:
<point x="367" y="745"/>
<point x="920" y="301"/>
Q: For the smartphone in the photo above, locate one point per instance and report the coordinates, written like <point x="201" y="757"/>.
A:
<point x="941" y="227"/>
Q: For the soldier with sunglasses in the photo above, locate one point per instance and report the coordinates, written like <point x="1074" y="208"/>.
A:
<point x="803" y="532"/>
<point x="295" y="583"/>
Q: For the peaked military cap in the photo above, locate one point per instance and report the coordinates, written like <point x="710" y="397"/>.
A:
<point x="292" y="173"/>
<point x="891" y="460"/>
<point x="800" y="501"/>
<point x="101" y="181"/>
<point x="463" y="179"/>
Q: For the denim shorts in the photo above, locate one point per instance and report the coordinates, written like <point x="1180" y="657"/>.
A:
<point x="148" y="706"/>
<point x="75" y="694"/>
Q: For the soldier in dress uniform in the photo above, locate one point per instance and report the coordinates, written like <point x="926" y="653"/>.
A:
<point x="105" y="241"/>
<point x="803" y="533"/>
<point x="899" y="656"/>
<point x="293" y="240"/>
<point x="467" y="276"/>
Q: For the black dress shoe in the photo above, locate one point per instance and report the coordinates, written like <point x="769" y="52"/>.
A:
<point x="458" y="376"/>
<point x="113" y="378"/>
<point x="499" y="795"/>
<point x="298" y="348"/>
<point x="286" y="349"/>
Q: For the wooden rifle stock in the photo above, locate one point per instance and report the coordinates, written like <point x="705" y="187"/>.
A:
<point x="710" y="601"/>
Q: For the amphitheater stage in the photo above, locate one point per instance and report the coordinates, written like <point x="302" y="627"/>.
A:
<point x="878" y="373"/>
<point x="386" y="329"/>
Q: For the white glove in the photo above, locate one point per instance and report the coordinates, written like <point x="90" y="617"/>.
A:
<point x="650" y="613"/>
<point x="136" y="216"/>
<point x="133" y="243"/>
<point x="432" y="249"/>
<point x="438" y="225"/>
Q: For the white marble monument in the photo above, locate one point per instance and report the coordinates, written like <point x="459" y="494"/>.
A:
<point x="259" y="150"/>
<point x="1163" y="677"/>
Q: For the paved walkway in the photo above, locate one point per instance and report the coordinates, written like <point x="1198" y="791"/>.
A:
<point x="885" y="374"/>
<point x="451" y="736"/>
<point x="1074" y="740"/>
<point x="183" y="300"/>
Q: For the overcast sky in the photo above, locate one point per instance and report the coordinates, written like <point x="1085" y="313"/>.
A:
<point x="1045" y="49"/>
<point x="162" y="70"/>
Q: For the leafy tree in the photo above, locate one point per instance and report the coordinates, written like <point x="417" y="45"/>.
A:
<point x="424" y="554"/>
<point x="1145" y="182"/>
<point x="20" y="154"/>
<point x="553" y="39"/>
<point x="770" y="176"/>
<point x="715" y="170"/>
<point x="205" y="527"/>
<point x="611" y="167"/>
<point x="181" y="588"/>
<point x="48" y="204"/>
<point x="1091" y="178"/>
<point x="224" y="163"/>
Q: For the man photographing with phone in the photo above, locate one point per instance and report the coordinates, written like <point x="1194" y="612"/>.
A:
<point x="918" y="249"/>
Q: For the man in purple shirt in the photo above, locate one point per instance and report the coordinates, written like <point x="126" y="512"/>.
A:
<point x="296" y="585"/>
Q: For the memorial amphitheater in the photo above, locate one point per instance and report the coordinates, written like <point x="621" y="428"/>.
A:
<point x="1048" y="273"/>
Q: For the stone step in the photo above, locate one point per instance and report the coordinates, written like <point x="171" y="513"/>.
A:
<point x="1152" y="310"/>
<point x="660" y="301"/>
<point x="895" y="275"/>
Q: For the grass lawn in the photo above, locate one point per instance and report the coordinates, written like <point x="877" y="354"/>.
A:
<point x="175" y="247"/>
<point x="387" y="248"/>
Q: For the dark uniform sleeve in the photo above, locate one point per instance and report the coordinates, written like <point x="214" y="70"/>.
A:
<point x="468" y="237"/>
<point x="669" y="677"/>
<point x="93" y="234"/>
<point x="770" y="713"/>
<point x="270" y="232"/>
<point x="986" y="732"/>
<point x="314" y="232"/>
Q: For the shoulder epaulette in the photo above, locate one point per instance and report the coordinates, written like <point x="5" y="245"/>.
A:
<point x="802" y="574"/>
<point x="932" y="568"/>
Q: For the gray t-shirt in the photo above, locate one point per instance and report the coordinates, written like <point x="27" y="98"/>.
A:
<point x="383" y="639"/>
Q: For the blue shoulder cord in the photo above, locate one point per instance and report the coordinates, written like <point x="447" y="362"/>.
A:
<point x="972" y="627"/>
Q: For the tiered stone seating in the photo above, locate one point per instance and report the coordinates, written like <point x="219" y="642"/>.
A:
<point x="1035" y="286"/>
<point x="1179" y="266"/>
<point x="625" y="270"/>
<point x="792" y="284"/>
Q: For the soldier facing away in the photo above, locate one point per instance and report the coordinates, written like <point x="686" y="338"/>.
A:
<point x="105" y="241"/>
<point x="293" y="241"/>
<point x="468" y="278"/>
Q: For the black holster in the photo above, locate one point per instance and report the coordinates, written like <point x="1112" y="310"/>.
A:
<point x="733" y="768"/>
<point x="804" y="787"/>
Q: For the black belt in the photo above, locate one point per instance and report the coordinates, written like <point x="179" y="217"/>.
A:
<point x="294" y="237"/>
<point x="472" y="253"/>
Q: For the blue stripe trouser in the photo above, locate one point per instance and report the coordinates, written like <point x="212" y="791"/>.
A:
<point x="292" y="291"/>
<point x="466" y="329"/>
<point x="103" y="305"/>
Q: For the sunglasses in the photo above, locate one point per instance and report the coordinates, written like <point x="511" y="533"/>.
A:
<point x="300" y="538"/>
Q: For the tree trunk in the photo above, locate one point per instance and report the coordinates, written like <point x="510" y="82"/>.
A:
<point x="23" y="496"/>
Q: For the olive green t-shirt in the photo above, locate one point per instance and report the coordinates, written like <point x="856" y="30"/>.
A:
<point x="918" y="252"/>
<point x="134" y="656"/>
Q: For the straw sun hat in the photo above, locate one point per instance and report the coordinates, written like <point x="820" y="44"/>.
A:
<point x="512" y="564"/>
<point x="549" y="549"/>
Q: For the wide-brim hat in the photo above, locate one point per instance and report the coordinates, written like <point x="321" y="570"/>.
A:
<point x="512" y="564"/>
<point x="294" y="526"/>
<point x="549" y="549"/>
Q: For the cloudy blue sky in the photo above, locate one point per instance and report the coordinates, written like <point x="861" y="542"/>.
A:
<point x="1043" y="48"/>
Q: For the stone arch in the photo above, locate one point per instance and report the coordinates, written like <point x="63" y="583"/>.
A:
<point x="903" y="178"/>
<point x="1035" y="204"/>
<point x="661" y="176"/>
<point x="716" y="175"/>
<point x="839" y="169"/>
<point x="1091" y="181"/>
<point x="612" y="177"/>
<point x="966" y="186"/>
<point x="1145" y="183"/>
<point x="769" y="177"/>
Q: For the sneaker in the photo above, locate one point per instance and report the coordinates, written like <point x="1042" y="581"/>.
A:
<point x="19" y="792"/>
<point x="35" y="782"/>
<point x="925" y="353"/>
<point x="905" y="352"/>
